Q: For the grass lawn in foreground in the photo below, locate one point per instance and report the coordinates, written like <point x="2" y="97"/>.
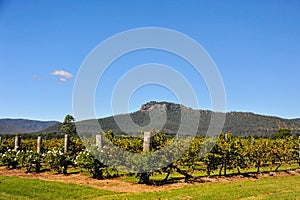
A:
<point x="21" y="188"/>
<point x="264" y="188"/>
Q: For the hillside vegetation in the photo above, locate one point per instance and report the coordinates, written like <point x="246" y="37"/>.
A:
<point x="238" y="123"/>
<point x="16" y="126"/>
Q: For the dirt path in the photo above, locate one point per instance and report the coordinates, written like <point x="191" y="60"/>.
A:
<point x="107" y="184"/>
<point x="122" y="186"/>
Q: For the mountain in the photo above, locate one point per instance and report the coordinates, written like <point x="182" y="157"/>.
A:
<point x="17" y="126"/>
<point x="239" y="123"/>
<point x="169" y="114"/>
<point x="297" y="120"/>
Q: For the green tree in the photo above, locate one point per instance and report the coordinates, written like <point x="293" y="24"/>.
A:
<point x="68" y="126"/>
<point x="282" y="133"/>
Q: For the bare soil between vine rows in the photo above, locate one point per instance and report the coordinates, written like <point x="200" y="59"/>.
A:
<point x="118" y="185"/>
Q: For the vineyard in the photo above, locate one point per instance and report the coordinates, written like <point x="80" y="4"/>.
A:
<point x="229" y="153"/>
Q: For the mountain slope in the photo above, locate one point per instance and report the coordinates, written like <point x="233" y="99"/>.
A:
<point x="17" y="126"/>
<point x="297" y="120"/>
<point x="239" y="123"/>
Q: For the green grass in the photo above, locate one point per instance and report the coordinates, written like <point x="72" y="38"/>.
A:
<point x="265" y="188"/>
<point x="20" y="188"/>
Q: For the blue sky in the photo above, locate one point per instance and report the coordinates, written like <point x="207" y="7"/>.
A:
<point x="255" y="45"/>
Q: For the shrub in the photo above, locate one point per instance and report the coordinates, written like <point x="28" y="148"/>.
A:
<point x="58" y="161"/>
<point x="87" y="161"/>
<point x="9" y="159"/>
<point x="31" y="161"/>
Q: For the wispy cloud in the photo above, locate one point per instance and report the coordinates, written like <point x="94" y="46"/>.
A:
<point x="63" y="79"/>
<point x="37" y="77"/>
<point x="63" y="75"/>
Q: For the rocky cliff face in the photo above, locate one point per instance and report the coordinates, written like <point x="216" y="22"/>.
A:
<point x="162" y="105"/>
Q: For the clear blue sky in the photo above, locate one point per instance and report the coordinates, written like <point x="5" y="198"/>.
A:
<point x="255" y="44"/>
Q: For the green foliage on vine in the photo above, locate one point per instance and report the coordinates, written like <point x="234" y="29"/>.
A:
<point x="182" y="155"/>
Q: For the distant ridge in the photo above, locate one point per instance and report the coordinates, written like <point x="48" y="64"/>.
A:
<point x="17" y="126"/>
<point x="297" y="120"/>
<point x="239" y="123"/>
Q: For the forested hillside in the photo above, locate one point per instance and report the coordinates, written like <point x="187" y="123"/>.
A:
<point x="16" y="126"/>
<point x="239" y="123"/>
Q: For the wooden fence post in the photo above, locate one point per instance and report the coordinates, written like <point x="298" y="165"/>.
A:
<point x="66" y="144"/>
<point x="99" y="141"/>
<point x="147" y="141"/>
<point x="39" y="144"/>
<point x="299" y="150"/>
<point x="17" y="142"/>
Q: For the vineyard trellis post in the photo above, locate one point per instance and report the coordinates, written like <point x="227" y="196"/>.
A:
<point x="147" y="141"/>
<point x="299" y="150"/>
<point x="66" y="143"/>
<point x="17" y="142"/>
<point x="39" y="144"/>
<point x="99" y="141"/>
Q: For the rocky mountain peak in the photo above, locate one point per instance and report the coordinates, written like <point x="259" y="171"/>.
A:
<point x="161" y="105"/>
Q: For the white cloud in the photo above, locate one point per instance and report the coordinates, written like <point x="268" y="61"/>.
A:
<point x="64" y="75"/>
<point x="63" y="79"/>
